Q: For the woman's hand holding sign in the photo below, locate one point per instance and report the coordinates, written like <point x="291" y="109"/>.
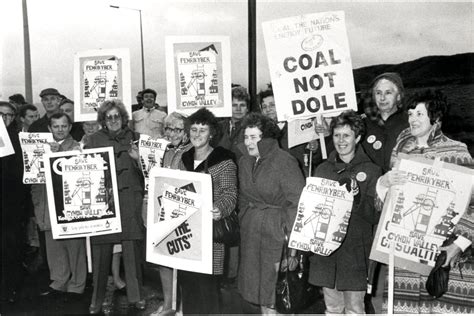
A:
<point x="394" y="177"/>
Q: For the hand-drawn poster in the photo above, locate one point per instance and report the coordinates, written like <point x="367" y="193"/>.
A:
<point x="310" y="65"/>
<point x="323" y="216"/>
<point x="6" y="147"/>
<point x="198" y="74"/>
<point x="179" y="222"/>
<point x="100" y="75"/>
<point x="151" y="154"/>
<point x="34" y="146"/>
<point x="82" y="193"/>
<point x="418" y="216"/>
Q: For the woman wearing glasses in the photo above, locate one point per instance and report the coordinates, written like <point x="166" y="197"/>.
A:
<point x="115" y="133"/>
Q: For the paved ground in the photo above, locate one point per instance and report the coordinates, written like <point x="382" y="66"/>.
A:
<point x="30" y="303"/>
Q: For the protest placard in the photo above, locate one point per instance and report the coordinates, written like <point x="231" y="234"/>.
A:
<point x="100" y="75"/>
<point x="322" y="218"/>
<point x="179" y="221"/>
<point x="419" y="215"/>
<point x="151" y="154"/>
<point x="198" y="74"/>
<point x="82" y="193"/>
<point x="6" y="147"/>
<point x="34" y="146"/>
<point x="310" y="65"/>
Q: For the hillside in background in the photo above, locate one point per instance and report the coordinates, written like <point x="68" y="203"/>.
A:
<point x="453" y="75"/>
<point x="424" y="72"/>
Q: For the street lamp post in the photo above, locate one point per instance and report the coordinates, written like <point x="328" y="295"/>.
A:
<point x="141" y="40"/>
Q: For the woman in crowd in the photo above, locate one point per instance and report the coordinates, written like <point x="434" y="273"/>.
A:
<point x="115" y="133"/>
<point x="343" y="274"/>
<point x="270" y="187"/>
<point x="200" y="292"/>
<point x="424" y="138"/>
<point x="385" y="118"/>
<point x="177" y="132"/>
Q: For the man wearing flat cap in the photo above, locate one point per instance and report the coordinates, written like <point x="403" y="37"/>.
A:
<point x="50" y="98"/>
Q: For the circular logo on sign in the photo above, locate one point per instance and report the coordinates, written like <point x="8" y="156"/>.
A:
<point x="371" y="139"/>
<point x="377" y="145"/>
<point x="361" y="176"/>
<point x="312" y="42"/>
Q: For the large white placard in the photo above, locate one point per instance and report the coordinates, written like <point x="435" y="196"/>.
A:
<point x="310" y="65"/>
<point x="179" y="221"/>
<point x="198" y="74"/>
<point x="322" y="220"/>
<point x="82" y="193"/>
<point x="419" y="215"/>
<point x="34" y="146"/>
<point x="100" y="75"/>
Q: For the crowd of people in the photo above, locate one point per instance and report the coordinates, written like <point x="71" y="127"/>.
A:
<point x="253" y="173"/>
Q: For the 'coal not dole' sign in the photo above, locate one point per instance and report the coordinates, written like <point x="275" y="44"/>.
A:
<point x="310" y="65"/>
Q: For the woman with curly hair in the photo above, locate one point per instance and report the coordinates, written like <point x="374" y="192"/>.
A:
<point x="200" y="292"/>
<point x="270" y="187"/>
<point x="425" y="139"/>
<point x="115" y="133"/>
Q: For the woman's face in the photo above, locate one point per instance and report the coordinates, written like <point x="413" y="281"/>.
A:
<point x="200" y="135"/>
<point x="252" y="136"/>
<point x="174" y="132"/>
<point x="386" y="96"/>
<point x="113" y="120"/>
<point x="268" y="107"/>
<point x="345" y="142"/>
<point x="419" y="120"/>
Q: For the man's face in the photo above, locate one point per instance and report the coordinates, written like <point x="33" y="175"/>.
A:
<point x="30" y="117"/>
<point x="239" y="109"/>
<point x="60" y="128"/>
<point x="268" y="107"/>
<point x="148" y="100"/>
<point x="51" y="103"/>
<point x="68" y="109"/>
<point x="386" y="96"/>
<point x="8" y="115"/>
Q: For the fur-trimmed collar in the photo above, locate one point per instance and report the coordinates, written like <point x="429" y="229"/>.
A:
<point x="216" y="156"/>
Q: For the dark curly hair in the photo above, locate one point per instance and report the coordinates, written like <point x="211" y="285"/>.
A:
<point x="109" y="105"/>
<point x="265" y="93"/>
<point x="351" y="119"/>
<point x="148" y="90"/>
<point x="265" y="124"/>
<point x="205" y="117"/>
<point x="435" y="102"/>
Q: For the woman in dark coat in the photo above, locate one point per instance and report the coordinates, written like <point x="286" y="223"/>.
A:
<point x="200" y="292"/>
<point x="115" y="133"/>
<point x="343" y="274"/>
<point x="270" y="187"/>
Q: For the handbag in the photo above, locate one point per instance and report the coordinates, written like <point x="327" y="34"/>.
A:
<point x="293" y="293"/>
<point x="437" y="283"/>
<point x="227" y="229"/>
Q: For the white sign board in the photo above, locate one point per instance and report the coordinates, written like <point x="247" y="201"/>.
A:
<point x="82" y="193"/>
<point x="6" y="147"/>
<point x="100" y="75"/>
<point x="419" y="215"/>
<point x="34" y="146"/>
<point x="310" y="65"/>
<point x="151" y="154"/>
<point x="323" y="217"/>
<point x="179" y="220"/>
<point x="198" y="74"/>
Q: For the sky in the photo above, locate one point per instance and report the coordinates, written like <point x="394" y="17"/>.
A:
<point x="379" y="32"/>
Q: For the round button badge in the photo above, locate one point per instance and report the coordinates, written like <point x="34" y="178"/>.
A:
<point x="377" y="145"/>
<point x="361" y="176"/>
<point x="371" y="139"/>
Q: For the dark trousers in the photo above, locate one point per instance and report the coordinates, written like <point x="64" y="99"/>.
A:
<point x="132" y="264"/>
<point x="200" y="293"/>
<point x="12" y="259"/>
